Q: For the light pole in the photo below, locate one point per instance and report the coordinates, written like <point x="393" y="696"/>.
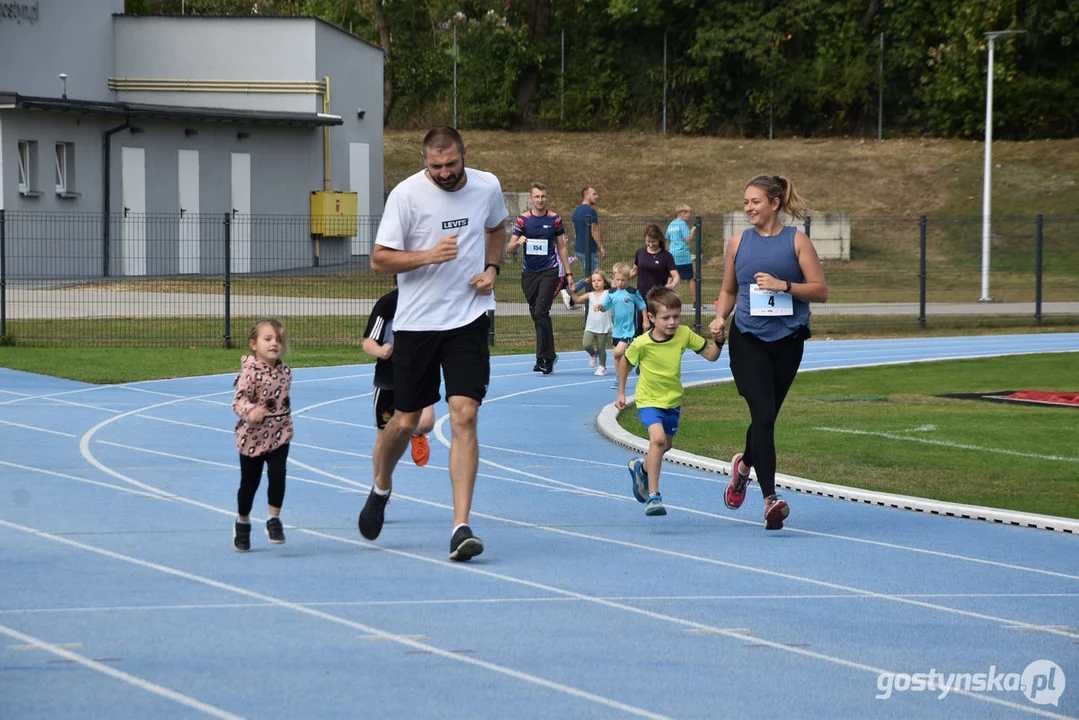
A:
<point x="987" y="172"/>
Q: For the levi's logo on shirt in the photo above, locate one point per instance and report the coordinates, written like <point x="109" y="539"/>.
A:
<point x="450" y="224"/>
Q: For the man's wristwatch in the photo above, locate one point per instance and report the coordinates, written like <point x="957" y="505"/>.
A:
<point x="496" y="266"/>
<point x="788" y="286"/>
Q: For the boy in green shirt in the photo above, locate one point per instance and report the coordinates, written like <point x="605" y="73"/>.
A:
<point x="658" y="353"/>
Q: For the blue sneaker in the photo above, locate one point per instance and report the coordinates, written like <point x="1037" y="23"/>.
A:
<point x="654" y="506"/>
<point x="640" y="479"/>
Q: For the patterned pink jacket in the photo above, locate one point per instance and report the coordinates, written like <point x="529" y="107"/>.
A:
<point x="259" y="384"/>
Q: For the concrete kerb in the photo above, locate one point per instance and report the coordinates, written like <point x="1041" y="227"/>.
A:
<point x="607" y="424"/>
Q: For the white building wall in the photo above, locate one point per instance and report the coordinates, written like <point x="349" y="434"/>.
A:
<point x="234" y="48"/>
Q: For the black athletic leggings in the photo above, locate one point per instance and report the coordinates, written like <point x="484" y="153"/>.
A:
<point x="251" y="476"/>
<point x="763" y="372"/>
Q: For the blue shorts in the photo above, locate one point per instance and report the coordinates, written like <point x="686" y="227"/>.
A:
<point x="667" y="417"/>
<point x="685" y="272"/>
<point x="616" y="340"/>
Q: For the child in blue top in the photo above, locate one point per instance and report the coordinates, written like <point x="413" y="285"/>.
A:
<point x="624" y="306"/>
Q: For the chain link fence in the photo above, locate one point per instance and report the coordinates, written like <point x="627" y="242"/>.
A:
<point x="199" y="281"/>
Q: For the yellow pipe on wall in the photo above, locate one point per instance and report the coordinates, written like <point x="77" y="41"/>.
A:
<point x="308" y="87"/>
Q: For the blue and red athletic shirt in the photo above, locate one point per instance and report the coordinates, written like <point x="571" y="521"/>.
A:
<point x="539" y="227"/>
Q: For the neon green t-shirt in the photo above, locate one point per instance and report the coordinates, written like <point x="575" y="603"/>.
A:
<point x="660" y="385"/>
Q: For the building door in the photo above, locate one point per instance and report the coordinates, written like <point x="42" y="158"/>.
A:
<point x="241" y="213"/>
<point x="188" y="163"/>
<point x="1" y="163"/>
<point x="359" y="182"/>
<point x="133" y="228"/>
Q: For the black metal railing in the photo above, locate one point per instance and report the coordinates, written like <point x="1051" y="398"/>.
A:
<point x="193" y="280"/>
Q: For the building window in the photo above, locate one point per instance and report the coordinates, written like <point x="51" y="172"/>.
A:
<point x="27" y="164"/>
<point x="26" y="148"/>
<point x="65" y="170"/>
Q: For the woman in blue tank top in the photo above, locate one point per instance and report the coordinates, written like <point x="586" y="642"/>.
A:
<point x="770" y="275"/>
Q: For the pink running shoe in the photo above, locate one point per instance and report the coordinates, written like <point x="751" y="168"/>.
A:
<point x="735" y="494"/>
<point x="776" y="511"/>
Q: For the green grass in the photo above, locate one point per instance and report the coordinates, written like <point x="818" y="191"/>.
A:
<point x="894" y="401"/>
<point x="106" y="365"/>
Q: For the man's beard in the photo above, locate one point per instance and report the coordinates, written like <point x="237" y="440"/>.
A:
<point x="449" y="183"/>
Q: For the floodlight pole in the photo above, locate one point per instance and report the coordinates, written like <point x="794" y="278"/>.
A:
<point x="987" y="171"/>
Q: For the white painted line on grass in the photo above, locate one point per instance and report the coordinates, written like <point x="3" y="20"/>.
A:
<point x="607" y="424"/>
<point x="945" y="443"/>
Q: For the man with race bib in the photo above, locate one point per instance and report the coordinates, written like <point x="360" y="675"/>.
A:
<point x="539" y="231"/>
<point x="771" y="274"/>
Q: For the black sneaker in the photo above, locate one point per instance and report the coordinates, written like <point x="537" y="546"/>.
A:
<point x="275" y="531"/>
<point x="373" y="515"/>
<point x="547" y="366"/>
<point x="538" y="367"/>
<point x="241" y="536"/>
<point x="464" y="545"/>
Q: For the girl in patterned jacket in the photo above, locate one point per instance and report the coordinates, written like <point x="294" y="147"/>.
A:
<point x="264" y="430"/>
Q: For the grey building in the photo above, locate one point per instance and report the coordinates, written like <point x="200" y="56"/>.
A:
<point x="125" y="140"/>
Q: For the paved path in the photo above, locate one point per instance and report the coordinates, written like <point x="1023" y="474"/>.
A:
<point x="73" y="303"/>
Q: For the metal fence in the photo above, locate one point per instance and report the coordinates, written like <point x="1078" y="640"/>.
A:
<point x="68" y="278"/>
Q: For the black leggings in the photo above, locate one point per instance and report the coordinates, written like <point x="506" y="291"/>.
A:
<point x="763" y="372"/>
<point x="251" y="476"/>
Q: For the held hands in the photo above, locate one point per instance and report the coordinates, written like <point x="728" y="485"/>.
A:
<point x="718" y="327"/>
<point x="768" y="282"/>
<point x="484" y="282"/>
<point x="255" y="414"/>
<point x="444" y="250"/>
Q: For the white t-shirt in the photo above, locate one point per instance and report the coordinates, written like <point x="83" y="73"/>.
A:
<point x="597" y="322"/>
<point x="418" y="214"/>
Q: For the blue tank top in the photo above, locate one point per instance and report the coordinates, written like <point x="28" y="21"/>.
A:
<point x="774" y="255"/>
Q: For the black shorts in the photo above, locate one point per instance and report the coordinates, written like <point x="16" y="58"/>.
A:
<point x="685" y="272"/>
<point x="461" y="354"/>
<point x="383" y="406"/>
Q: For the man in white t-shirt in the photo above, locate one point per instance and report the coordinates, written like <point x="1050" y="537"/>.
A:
<point x="442" y="234"/>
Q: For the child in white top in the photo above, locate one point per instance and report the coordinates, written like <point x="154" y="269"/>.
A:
<point x="597" y="325"/>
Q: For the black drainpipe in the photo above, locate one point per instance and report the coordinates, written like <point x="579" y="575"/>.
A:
<point x="106" y="142"/>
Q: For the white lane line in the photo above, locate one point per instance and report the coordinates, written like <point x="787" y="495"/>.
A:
<point x="537" y="601"/>
<point x="84" y="448"/>
<point x="31" y="648"/>
<point x="156" y="494"/>
<point x="367" y="629"/>
<point x="112" y="672"/>
<point x="945" y="443"/>
<point x="439" y="433"/>
<point x="55" y="395"/>
<point x="404" y="640"/>
<point x="813" y="533"/>
<point x="38" y="429"/>
<point x="702" y="559"/>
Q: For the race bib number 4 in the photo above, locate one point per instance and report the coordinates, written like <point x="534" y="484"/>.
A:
<point x="769" y="302"/>
<point x="534" y="246"/>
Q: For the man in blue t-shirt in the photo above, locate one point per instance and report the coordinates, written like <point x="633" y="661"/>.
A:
<point x="541" y="234"/>
<point x="586" y="227"/>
